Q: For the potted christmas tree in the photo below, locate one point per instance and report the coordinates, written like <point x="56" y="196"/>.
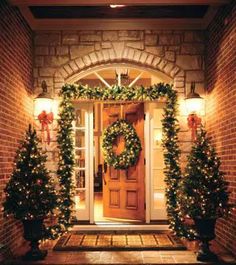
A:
<point x="30" y="195"/>
<point x="203" y="192"/>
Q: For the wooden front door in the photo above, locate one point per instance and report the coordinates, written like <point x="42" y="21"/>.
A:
<point x="124" y="190"/>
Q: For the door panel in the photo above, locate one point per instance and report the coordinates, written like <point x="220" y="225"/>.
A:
<point x="124" y="190"/>
<point x="114" y="198"/>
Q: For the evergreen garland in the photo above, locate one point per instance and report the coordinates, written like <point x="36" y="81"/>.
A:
<point x="172" y="171"/>
<point x="115" y="92"/>
<point x="170" y="142"/>
<point x="65" y="164"/>
<point x="66" y="159"/>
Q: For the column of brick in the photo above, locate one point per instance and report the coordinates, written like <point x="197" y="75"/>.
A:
<point x="221" y="102"/>
<point x="16" y="104"/>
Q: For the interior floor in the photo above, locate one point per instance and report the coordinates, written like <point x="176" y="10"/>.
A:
<point x="98" y="212"/>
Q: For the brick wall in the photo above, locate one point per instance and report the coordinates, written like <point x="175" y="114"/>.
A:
<point x="221" y="102"/>
<point x="61" y="55"/>
<point x="15" y="102"/>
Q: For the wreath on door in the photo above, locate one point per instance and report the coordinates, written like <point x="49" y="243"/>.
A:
<point x="129" y="156"/>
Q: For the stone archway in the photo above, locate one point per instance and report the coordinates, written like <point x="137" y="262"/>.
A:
<point x="82" y="74"/>
<point x="119" y="54"/>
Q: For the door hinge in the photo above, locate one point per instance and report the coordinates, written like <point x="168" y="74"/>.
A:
<point x="144" y="116"/>
<point x="144" y="161"/>
<point x="145" y="206"/>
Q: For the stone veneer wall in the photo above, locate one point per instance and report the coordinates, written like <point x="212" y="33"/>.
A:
<point x="61" y="55"/>
<point x="221" y="102"/>
<point x="16" y="104"/>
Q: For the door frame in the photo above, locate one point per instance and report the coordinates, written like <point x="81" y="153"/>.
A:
<point x="148" y="141"/>
<point x="147" y="157"/>
<point x="147" y="130"/>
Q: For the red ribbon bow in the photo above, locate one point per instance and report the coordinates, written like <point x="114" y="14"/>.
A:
<point x="45" y="119"/>
<point x="193" y="122"/>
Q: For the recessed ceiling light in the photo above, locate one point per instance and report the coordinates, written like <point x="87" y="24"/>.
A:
<point x="116" y="6"/>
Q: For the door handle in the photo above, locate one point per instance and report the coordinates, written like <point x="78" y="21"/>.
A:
<point x="104" y="173"/>
<point x="104" y="179"/>
<point x="105" y="167"/>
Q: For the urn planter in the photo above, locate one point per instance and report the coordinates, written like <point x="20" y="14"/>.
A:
<point x="33" y="232"/>
<point x="205" y="232"/>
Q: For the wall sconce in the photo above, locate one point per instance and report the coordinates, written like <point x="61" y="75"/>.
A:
<point x="43" y="105"/>
<point x="194" y="105"/>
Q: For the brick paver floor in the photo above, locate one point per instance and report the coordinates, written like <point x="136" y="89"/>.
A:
<point x="124" y="257"/>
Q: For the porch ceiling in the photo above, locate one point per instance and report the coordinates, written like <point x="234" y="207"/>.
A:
<point x="137" y="14"/>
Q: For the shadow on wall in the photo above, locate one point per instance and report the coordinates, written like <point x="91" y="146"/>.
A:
<point x="214" y="46"/>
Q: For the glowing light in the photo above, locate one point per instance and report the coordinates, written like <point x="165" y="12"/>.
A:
<point x="194" y="105"/>
<point x="158" y="137"/>
<point x="77" y="202"/>
<point x="159" y="195"/>
<point x="116" y="6"/>
<point x="42" y="104"/>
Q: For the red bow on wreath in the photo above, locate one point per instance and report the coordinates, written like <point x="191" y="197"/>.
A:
<point x="193" y="122"/>
<point x="45" y="119"/>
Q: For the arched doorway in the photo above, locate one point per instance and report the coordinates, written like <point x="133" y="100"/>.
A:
<point x="92" y="196"/>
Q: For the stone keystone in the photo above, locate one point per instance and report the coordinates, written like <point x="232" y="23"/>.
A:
<point x="118" y="48"/>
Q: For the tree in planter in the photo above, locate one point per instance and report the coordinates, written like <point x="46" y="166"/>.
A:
<point x="30" y="195"/>
<point x="203" y="192"/>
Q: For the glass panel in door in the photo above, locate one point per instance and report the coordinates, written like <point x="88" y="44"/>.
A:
<point x="83" y="163"/>
<point x="158" y="199"/>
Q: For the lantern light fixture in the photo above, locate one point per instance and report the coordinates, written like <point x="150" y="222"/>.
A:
<point x="194" y="105"/>
<point x="43" y="102"/>
<point x="194" y="102"/>
<point x="43" y="105"/>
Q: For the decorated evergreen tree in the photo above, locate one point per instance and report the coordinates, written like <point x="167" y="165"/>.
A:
<point x="29" y="193"/>
<point x="204" y="191"/>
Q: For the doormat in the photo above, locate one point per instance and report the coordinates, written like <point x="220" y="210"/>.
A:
<point x="74" y="241"/>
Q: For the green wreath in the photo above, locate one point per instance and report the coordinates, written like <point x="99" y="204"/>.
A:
<point x="132" y="149"/>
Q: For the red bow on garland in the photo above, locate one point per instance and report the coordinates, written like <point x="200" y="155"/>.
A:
<point x="45" y="119"/>
<point x="193" y="122"/>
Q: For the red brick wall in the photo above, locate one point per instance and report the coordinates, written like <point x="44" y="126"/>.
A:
<point x="16" y="103"/>
<point x="221" y="105"/>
